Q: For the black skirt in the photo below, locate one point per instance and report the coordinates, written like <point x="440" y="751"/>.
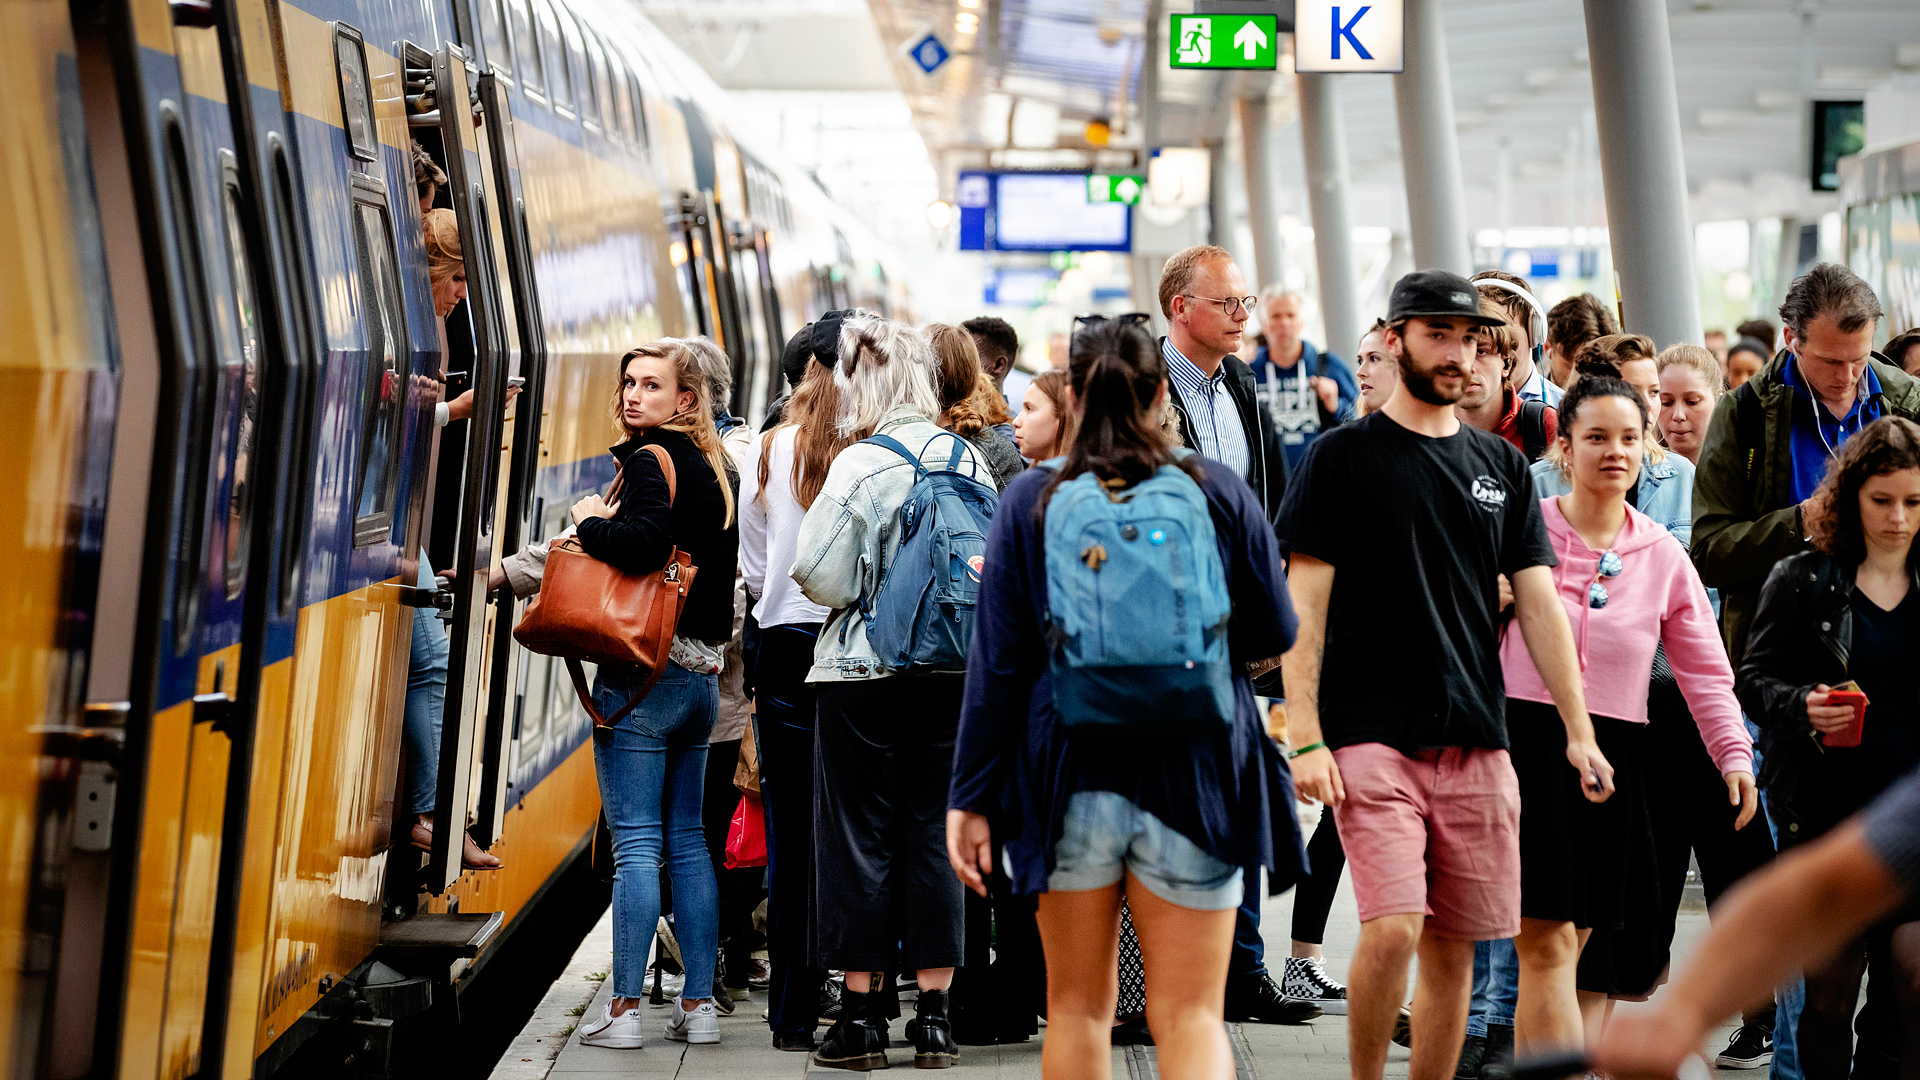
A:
<point x="1577" y="858"/>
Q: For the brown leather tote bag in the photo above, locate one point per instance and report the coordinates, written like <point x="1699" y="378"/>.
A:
<point x="590" y="610"/>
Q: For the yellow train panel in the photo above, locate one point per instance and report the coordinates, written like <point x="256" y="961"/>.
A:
<point x="311" y="77"/>
<point x="168" y="746"/>
<point x="540" y="833"/>
<point x="244" y="1016"/>
<point x="200" y="66"/>
<point x="341" y="754"/>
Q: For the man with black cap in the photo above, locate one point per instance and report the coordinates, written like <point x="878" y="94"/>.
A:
<point x="1417" y="515"/>
<point x="817" y="340"/>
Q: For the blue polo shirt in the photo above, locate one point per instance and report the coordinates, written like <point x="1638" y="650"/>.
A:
<point x="1815" y="434"/>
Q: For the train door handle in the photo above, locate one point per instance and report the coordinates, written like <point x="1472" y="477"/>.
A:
<point x="216" y="710"/>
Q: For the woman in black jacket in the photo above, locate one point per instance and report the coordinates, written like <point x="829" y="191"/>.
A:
<point x="652" y="762"/>
<point x="1847" y="611"/>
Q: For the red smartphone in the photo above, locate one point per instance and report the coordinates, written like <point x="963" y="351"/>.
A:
<point x="1847" y="694"/>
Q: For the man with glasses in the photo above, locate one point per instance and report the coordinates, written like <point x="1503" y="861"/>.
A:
<point x="1206" y="301"/>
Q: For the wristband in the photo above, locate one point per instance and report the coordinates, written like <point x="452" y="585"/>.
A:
<point x="1307" y="749"/>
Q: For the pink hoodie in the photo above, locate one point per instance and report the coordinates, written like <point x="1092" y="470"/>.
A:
<point x="1657" y="597"/>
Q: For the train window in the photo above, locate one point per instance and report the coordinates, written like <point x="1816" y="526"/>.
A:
<point x="622" y="115"/>
<point x="493" y="28"/>
<point x="195" y="336"/>
<point x="300" y="323"/>
<point x="553" y="57"/>
<point x="576" y="62"/>
<point x="383" y="396"/>
<point x="356" y="92"/>
<point x="246" y="424"/>
<point x="599" y="104"/>
<point x="526" y="46"/>
<point x="639" y="109"/>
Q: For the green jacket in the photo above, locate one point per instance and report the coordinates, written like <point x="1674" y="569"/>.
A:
<point x="1745" y="518"/>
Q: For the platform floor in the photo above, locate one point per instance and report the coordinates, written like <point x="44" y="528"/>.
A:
<point x="1315" y="1051"/>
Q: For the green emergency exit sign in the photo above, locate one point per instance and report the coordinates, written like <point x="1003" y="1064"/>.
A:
<point x="1225" y="41"/>
<point x="1103" y="188"/>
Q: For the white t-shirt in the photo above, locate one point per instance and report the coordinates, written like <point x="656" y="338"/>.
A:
<point x="770" y="535"/>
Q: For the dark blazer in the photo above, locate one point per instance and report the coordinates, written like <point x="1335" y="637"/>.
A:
<point x="1802" y="636"/>
<point x="1267" y="473"/>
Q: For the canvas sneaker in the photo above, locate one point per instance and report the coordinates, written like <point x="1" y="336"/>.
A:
<point x="1307" y="978"/>
<point x="701" y="1025"/>
<point x="614" y="1032"/>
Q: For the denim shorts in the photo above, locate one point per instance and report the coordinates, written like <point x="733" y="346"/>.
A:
<point x="1104" y="834"/>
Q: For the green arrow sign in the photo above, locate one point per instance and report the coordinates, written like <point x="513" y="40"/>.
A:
<point x="1121" y="189"/>
<point x="1225" y="41"/>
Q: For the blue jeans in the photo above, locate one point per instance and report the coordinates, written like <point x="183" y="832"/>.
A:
<point x="1248" y="959"/>
<point x="426" y="694"/>
<point x="1496" y="985"/>
<point x="652" y="766"/>
<point x="1788" y="1000"/>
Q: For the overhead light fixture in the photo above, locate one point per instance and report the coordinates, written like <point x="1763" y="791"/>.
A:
<point x="1099" y="132"/>
<point x="939" y="214"/>
<point x="966" y="22"/>
<point x="969" y="3"/>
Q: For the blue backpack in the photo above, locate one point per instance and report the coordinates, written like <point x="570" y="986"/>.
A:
<point x="1137" y="608"/>
<point x="920" y="620"/>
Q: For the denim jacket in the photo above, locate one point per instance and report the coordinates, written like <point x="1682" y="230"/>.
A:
<point x="852" y="531"/>
<point x="1666" y="492"/>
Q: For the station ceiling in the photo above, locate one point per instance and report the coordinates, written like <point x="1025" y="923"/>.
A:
<point x="1020" y="89"/>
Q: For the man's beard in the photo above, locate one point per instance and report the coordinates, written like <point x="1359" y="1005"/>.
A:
<point x="1423" y="385"/>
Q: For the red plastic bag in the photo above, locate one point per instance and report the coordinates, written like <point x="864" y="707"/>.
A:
<point x="747" y="836"/>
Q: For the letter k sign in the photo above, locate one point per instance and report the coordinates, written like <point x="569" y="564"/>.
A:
<point x="1346" y="31"/>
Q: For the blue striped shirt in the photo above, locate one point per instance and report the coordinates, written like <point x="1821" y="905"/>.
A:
<point x="1213" y="420"/>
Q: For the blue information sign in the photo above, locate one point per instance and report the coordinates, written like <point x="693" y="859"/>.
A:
<point x="929" y="53"/>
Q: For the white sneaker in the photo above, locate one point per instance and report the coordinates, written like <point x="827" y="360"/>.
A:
<point x="614" y="1032"/>
<point x="702" y="1025"/>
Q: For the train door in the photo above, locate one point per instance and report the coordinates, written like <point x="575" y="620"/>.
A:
<point x="692" y="231"/>
<point x="515" y="254"/>
<point x="495" y="350"/>
<point x="59" y="373"/>
<point x="753" y="358"/>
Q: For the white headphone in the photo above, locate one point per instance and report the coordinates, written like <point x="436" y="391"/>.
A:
<point x="1539" y="328"/>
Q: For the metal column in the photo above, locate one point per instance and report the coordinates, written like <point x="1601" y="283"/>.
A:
<point x="1263" y="214"/>
<point x="1642" y="169"/>
<point x="1429" y="146"/>
<point x="1151" y="57"/>
<point x="1324" y="140"/>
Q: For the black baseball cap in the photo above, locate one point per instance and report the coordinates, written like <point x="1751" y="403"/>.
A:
<point x="1436" y="294"/>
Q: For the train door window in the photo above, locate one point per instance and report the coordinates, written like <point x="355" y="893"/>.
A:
<point x="576" y="62"/>
<point x="196" y="341"/>
<point x="356" y="92"/>
<point x="553" y="57"/>
<point x="240" y="458"/>
<point x="383" y="396"/>
<point x="622" y="104"/>
<point x="526" y="47"/>
<point x="602" y="89"/>
<point x="493" y="28"/>
<point x="300" y="321"/>
<point x="639" y="110"/>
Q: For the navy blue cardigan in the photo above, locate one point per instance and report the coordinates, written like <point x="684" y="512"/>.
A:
<point x="1227" y="790"/>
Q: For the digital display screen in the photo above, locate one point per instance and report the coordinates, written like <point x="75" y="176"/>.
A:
<point x="1038" y="211"/>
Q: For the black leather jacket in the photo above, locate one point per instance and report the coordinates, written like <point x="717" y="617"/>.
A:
<point x="1802" y="636"/>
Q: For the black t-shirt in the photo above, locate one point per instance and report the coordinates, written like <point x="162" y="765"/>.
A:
<point x="1880" y="659"/>
<point x="1418" y="530"/>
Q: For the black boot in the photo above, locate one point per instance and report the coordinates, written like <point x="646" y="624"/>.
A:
<point x="933" y="1045"/>
<point x="1498" y="1063"/>
<point x="858" y="1041"/>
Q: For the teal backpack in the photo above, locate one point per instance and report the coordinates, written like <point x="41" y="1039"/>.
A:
<point x="1137" y="608"/>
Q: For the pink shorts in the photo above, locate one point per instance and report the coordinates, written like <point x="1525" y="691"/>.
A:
<point x="1437" y="833"/>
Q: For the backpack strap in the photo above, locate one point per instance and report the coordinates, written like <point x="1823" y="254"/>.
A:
<point x="959" y="451"/>
<point x="1533" y="428"/>
<point x="895" y="445"/>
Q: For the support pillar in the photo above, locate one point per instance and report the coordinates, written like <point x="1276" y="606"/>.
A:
<point x="1153" y="56"/>
<point x="1642" y="170"/>
<point x="1429" y="146"/>
<point x="1324" y="141"/>
<point x="1263" y="217"/>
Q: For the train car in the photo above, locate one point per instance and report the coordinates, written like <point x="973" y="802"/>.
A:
<point x="1881" y="190"/>
<point x="225" y="486"/>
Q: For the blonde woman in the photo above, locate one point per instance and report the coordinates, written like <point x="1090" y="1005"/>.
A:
<point x="1690" y="382"/>
<point x="651" y="761"/>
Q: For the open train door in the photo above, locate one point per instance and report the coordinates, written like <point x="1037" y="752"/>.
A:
<point x="468" y="672"/>
<point x="516" y="253"/>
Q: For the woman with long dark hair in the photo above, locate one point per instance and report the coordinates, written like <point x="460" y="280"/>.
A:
<point x="1170" y="816"/>
<point x="652" y="762"/>
<point x="1847" y="612"/>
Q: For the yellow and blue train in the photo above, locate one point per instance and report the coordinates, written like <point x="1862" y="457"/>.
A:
<point x="219" y="360"/>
